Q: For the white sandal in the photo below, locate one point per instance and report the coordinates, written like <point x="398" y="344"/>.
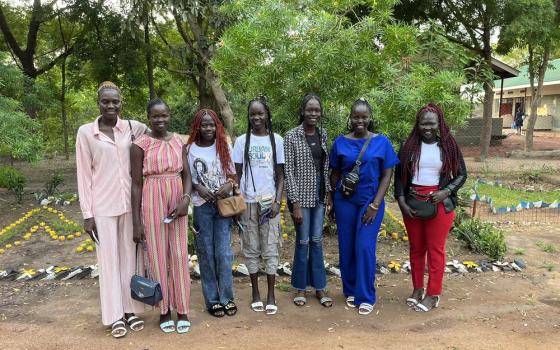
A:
<point x="350" y="302"/>
<point x="135" y="323"/>
<point x="365" y="309"/>
<point x="423" y="308"/>
<point x="271" y="309"/>
<point x="118" y="329"/>
<point x="257" y="306"/>
<point x="412" y="302"/>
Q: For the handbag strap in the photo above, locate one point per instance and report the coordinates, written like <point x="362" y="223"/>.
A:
<point x="362" y="151"/>
<point x="132" y="137"/>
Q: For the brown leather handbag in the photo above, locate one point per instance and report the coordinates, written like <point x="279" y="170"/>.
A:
<point x="232" y="206"/>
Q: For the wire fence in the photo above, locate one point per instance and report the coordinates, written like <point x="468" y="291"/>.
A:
<point x="482" y="211"/>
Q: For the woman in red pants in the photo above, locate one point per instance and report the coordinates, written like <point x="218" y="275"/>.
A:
<point x="431" y="170"/>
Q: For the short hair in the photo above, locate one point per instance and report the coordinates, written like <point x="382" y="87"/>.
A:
<point x="154" y="102"/>
<point x="107" y="85"/>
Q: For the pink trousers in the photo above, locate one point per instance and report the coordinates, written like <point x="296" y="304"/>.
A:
<point x="116" y="258"/>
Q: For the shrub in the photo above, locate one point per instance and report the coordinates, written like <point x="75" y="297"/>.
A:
<point x="13" y="180"/>
<point x="482" y="238"/>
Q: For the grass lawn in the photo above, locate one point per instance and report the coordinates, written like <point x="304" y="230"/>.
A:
<point x="504" y="197"/>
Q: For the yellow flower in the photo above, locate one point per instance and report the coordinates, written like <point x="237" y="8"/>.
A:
<point x="77" y="234"/>
<point x="395" y="235"/>
<point x="8" y="246"/>
<point x="70" y="237"/>
<point x="2" y="251"/>
<point x="50" y="209"/>
<point x="61" y="238"/>
<point x="89" y="248"/>
<point x="285" y="236"/>
<point x="80" y="249"/>
<point x="55" y="211"/>
<point x="27" y="237"/>
<point x="42" y="224"/>
<point x="54" y="237"/>
<point x="17" y="243"/>
<point x="394" y="265"/>
<point x="405" y="238"/>
<point x="89" y="240"/>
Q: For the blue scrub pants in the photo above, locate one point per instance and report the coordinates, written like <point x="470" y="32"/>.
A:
<point x="357" y="248"/>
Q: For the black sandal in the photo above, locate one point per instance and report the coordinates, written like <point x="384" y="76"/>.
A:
<point x="231" y="308"/>
<point x="217" y="310"/>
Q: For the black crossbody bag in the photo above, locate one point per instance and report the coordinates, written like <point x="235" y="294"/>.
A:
<point x="421" y="205"/>
<point x="350" y="181"/>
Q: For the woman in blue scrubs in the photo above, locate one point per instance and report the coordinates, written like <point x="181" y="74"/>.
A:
<point x="359" y="217"/>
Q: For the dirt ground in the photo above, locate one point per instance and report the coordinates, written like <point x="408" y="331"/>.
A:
<point x="516" y="310"/>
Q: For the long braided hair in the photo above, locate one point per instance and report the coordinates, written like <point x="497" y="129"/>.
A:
<point x="246" y="159"/>
<point x="410" y="152"/>
<point x="222" y="149"/>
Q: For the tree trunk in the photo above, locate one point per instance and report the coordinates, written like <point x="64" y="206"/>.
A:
<point x="536" y="96"/>
<point x="63" y="109"/>
<point x="205" y="98"/>
<point x="486" y="134"/>
<point x="28" y="100"/>
<point x="149" y="56"/>
<point x="221" y="99"/>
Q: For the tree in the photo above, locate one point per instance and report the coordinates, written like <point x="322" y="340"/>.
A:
<point x="470" y="23"/>
<point x="533" y="25"/>
<point x="32" y="58"/>
<point x="341" y="51"/>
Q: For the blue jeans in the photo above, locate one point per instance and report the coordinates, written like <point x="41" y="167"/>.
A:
<point x="213" y="247"/>
<point x="309" y="266"/>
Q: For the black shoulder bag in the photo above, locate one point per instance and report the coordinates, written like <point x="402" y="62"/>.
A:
<point x="351" y="180"/>
<point x="144" y="289"/>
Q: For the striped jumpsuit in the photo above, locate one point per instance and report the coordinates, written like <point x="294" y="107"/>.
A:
<point x="167" y="243"/>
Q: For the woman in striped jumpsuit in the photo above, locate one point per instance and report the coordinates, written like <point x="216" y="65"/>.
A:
<point x="159" y="157"/>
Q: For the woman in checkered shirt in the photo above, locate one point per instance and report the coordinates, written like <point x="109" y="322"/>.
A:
<point x="307" y="164"/>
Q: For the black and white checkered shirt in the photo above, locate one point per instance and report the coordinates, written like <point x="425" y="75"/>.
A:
<point x="300" y="172"/>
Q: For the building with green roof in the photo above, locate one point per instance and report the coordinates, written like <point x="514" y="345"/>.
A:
<point x="517" y="95"/>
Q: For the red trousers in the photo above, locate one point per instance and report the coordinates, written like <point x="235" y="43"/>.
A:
<point x="428" y="238"/>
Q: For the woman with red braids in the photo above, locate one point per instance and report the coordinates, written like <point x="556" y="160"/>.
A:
<point x="430" y="173"/>
<point x="213" y="176"/>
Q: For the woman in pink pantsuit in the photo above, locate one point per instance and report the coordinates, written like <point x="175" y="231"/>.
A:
<point x="103" y="171"/>
<point x="159" y="156"/>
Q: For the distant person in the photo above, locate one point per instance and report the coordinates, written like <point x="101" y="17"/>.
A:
<point x="165" y="192"/>
<point x="307" y="184"/>
<point x="259" y="162"/>
<point x="103" y="172"/>
<point x="431" y="169"/>
<point x="209" y="155"/>
<point x="519" y="116"/>
<point x="359" y="214"/>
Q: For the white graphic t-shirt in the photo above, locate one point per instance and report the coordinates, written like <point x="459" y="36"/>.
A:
<point x="206" y="170"/>
<point x="260" y="156"/>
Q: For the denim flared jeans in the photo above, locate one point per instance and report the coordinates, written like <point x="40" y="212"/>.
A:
<point x="309" y="267"/>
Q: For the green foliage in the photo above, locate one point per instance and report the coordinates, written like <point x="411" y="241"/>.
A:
<point x="52" y="184"/>
<point x="12" y="180"/>
<point x="482" y="238"/>
<point x="295" y="47"/>
<point x="20" y="136"/>
<point x="547" y="247"/>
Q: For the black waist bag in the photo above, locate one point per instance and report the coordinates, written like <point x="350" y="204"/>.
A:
<point x="350" y="181"/>
<point x="421" y="205"/>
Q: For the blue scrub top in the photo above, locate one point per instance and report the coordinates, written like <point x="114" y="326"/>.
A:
<point x="378" y="156"/>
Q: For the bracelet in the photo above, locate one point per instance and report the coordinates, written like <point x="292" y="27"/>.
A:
<point x="186" y="195"/>
<point x="449" y="192"/>
<point x="373" y="206"/>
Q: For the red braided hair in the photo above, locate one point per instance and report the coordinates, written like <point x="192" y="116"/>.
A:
<point x="222" y="149"/>
<point x="410" y="152"/>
